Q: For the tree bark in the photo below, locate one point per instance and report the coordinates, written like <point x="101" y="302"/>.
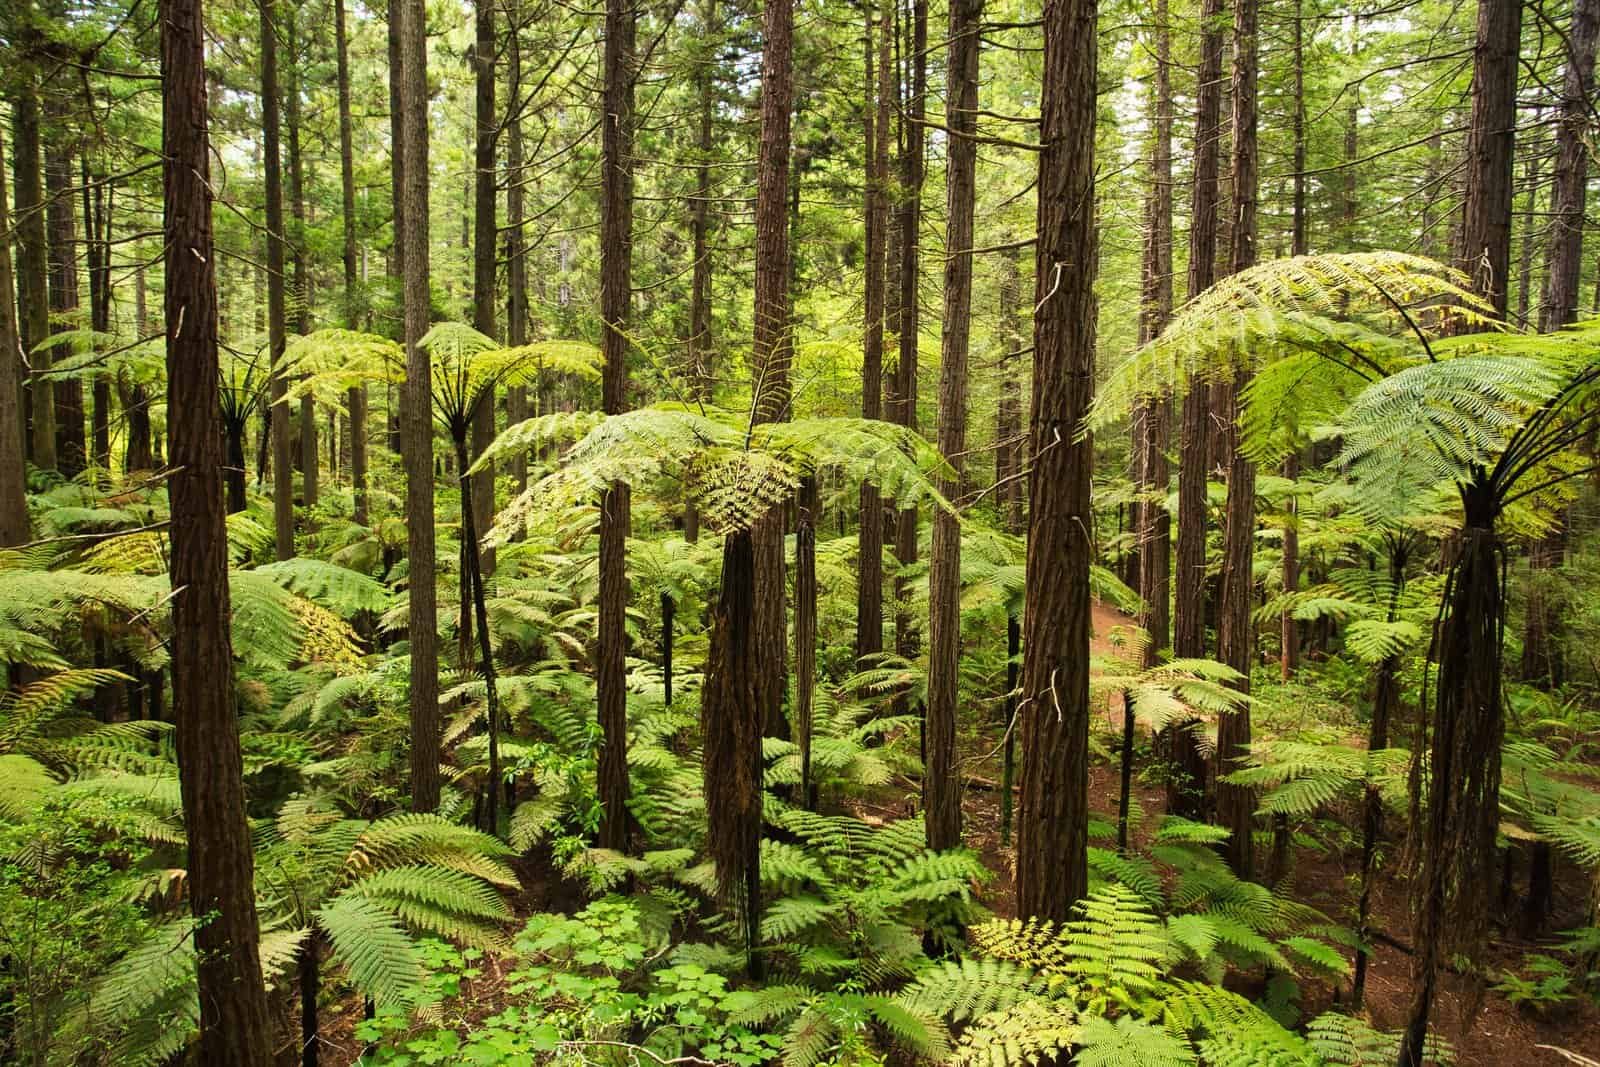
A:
<point x="409" y="27"/>
<point x="1564" y="252"/>
<point x="485" y="224"/>
<point x="1235" y="631"/>
<point x="282" y="470"/>
<point x="72" y="452"/>
<point x="1155" y="523"/>
<point x="700" y="341"/>
<point x="97" y="223"/>
<point x="516" y="237"/>
<point x="771" y="351"/>
<point x="33" y="300"/>
<point x="805" y="629"/>
<point x="1485" y="252"/>
<point x="616" y="251"/>
<point x="941" y="785"/>
<point x="869" y="534"/>
<point x="234" y="1026"/>
<point x="909" y="224"/>
<point x="1052" y="825"/>
<point x="14" y="528"/>
<point x="357" y="401"/>
<point x="1187" y="784"/>
<point x="307" y="459"/>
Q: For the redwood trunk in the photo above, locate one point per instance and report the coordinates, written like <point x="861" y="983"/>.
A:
<point x="234" y="1026"/>
<point x="942" y="782"/>
<point x="1052" y="824"/>
<point x="616" y="251"/>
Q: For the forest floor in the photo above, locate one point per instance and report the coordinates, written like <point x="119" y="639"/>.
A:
<point x="1498" y="1034"/>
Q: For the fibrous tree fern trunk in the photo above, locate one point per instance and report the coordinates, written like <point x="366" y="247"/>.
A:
<point x="1458" y="823"/>
<point x="941" y="798"/>
<point x="616" y="250"/>
<point x="1052" y="829"/>
<point x="1235" y="630"/>
<point x="234" y="1026"/>
<point x="477" y="603"/>
<point x="731" y="722"/>
<point x="1186" y="785"/>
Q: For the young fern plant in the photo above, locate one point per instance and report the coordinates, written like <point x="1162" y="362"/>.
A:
<point x="1105" y="988"/>
<point x="468" y="368"/>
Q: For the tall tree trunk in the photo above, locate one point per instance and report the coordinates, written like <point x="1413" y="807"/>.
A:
<point x="1299" y="245"/>
<point x="485" y="223"/>
<point x="138" y="455"/>
<point x="72" y="452"/>
<point x="941" y="796"/>
<point x="1052" y="825"/>
<point x="516" y="236"/>
<point x="234" y="1026"/>
<point x="13" y="466"/>
<point x="33" y="301"/>
<point x="869" y="534"/>
<point x="909" y="217"/>
<point x="771" y="350"/>
<point x="1155" y="525"/>
<point x="409" y="26"/>
<point x="1008" y="451"/>
<point x="97" y="222"/>
<point x="700" y="340"/>
<point x="1235" y="632"/>
<point x="352" y="295"/>
<point x="1542" y="658"/>
<point x="282" y="470"/>
<point x="616" y="281"/>
<point x="1186" y="786"/>
<point x="307" y="459"/>
<point x="1558" y="305"/>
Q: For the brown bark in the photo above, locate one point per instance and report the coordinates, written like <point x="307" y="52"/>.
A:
<point x="234" y="1026"/>
<point x="72" y="451"/>
<point x="1008" y="461"/>
<point x="1485" y="251"/>
<point x="1235" y="630"/>
<point x="33" y="300"/>
<point x="1052" y="824"/>
<point x="352" y="299"/>
<point x="869" y="536"/>
<point x="941" y="786"/>
<point x="282" y="472"/>
<point x="306" y="460"/>
<point x="1186" y="787"/>
<point x="485" y="224"/>
<point x="408" y="25"/>
<point x="1155" y="422"/>
<point x="909" y="225"/>
<point x="516" y="238"/>
<point x="771" y="352"/>
<point x="1564" y="252"/>
<point x="616" y="250"/>
<point x="97" y="223"/>
<point x="14" y="528"/>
